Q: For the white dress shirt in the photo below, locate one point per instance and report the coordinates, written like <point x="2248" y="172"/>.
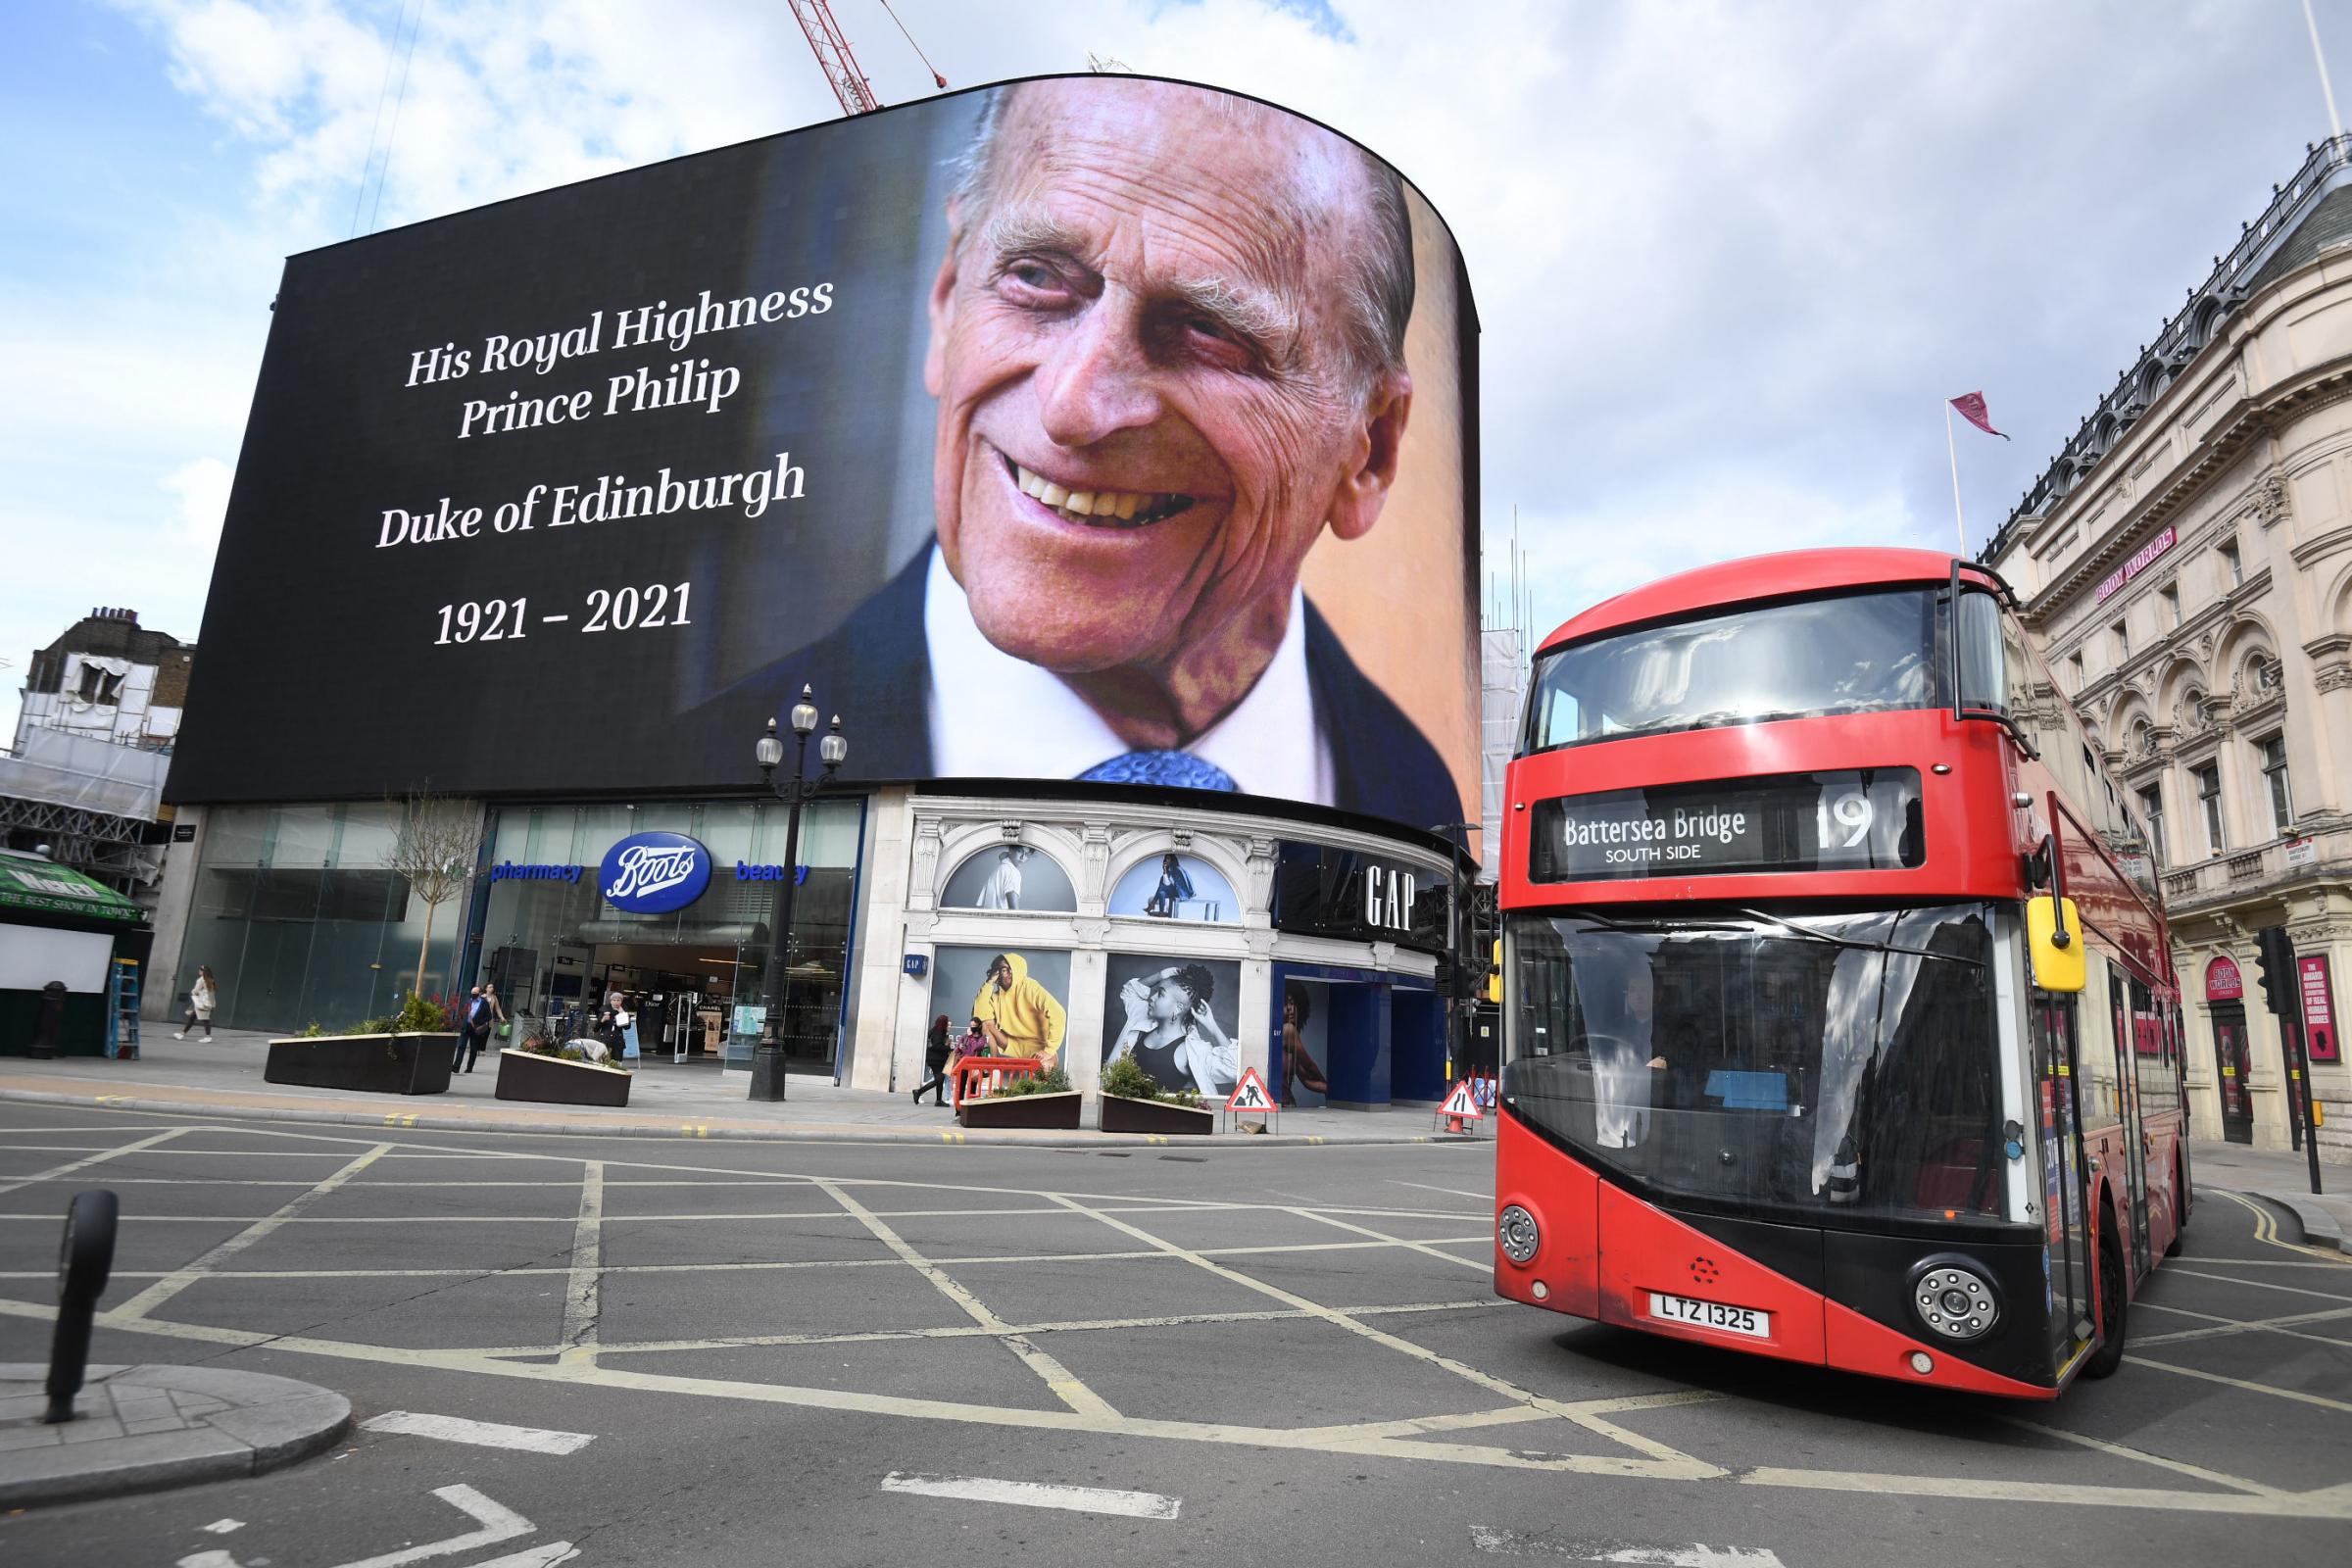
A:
<point x="1271" y="743"/>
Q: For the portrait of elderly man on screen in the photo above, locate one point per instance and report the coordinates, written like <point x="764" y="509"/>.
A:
<point x="1167" y="347"/>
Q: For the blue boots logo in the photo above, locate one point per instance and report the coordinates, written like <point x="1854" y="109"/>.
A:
<point x="654" y="874"/>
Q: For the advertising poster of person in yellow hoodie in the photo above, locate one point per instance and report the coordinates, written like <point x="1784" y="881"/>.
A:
<point x="1019" y="1015"/>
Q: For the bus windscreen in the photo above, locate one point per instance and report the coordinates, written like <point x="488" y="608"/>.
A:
<point x="1851" y="653"/>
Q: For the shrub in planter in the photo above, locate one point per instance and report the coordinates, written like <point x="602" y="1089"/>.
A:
<point x="1045" y="1100"/>
<point x="564" y="1076"/>
<point x="1134" y="1103"/>
<point x="379" y="1061"/>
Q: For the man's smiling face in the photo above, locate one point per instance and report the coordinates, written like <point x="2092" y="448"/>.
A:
<point x="1147" y="405"/>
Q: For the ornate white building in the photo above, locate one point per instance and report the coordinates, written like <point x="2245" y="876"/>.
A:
<point x="2187" y="563"/>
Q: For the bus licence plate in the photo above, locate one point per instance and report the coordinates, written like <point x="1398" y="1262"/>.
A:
<point x="1746" y="1320"/>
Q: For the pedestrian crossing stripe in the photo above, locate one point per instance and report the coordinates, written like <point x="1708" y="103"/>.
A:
<point x="1251" y="1093"/>
<point x="1461" y="1103"/>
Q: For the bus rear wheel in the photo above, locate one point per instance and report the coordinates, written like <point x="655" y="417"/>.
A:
<point x="2180" y="1207"/>
<point x="2114" y="1309"/>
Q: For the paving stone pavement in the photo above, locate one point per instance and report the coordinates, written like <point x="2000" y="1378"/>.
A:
<point x="142" y="1428"/>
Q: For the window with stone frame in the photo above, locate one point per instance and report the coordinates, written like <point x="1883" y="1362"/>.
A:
<point x="2209" y="805"/>
<point x="2152" y="810"/>
<point x="2273" y="752"/>
<point x="2233" y="565"/>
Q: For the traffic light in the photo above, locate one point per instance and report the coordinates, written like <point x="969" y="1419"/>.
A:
<point x="2275" y="965"/>
<point x="1494" y="976"/>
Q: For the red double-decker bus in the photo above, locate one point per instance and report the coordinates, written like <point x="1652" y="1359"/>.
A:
<point x="1834" y="1027"/>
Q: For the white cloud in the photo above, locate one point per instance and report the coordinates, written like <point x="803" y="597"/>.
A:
<point x="202" y="487"/>
<point x="1729" y="257"/>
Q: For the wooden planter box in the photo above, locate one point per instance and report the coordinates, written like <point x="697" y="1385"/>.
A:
<point x="553" y="1081"/>
<point x="372" y="1064"/>
<point x="1057" y="1112"/>
<point x="1121" y="1114"/>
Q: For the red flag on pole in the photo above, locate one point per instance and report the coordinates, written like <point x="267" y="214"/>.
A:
<point x="1972" y="409"/>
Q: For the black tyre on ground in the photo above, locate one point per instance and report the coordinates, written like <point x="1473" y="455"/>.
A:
<point x="2180" y="1196"/>
<point x="2114" y="1306"/>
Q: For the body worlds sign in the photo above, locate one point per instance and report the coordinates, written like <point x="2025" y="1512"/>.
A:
<point x="2143" y="559"/>
<point x="1863" y="819"/>
<point x="654" y="874"/>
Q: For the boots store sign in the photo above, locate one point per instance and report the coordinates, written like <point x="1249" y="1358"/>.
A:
<point x="654" y="874"/>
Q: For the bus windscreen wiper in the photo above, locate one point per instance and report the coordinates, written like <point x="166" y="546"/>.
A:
<point x="1811" y="935"/>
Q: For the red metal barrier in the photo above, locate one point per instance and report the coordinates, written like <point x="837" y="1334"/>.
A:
<point x="980" y="1076"/>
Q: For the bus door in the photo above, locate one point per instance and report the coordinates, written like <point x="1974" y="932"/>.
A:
<point x="2059" y="1120"/>
<point x="2126" y="1094"/>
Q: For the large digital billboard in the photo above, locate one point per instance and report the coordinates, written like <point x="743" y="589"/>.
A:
<point x="1085" y="427"/>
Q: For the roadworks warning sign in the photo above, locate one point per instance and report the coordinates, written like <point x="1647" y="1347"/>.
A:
<point x="1461" y="1103"/>
<point x="1251" y="1094"/>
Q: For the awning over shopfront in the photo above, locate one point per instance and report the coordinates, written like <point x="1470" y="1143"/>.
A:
<point x="35" y="891"/>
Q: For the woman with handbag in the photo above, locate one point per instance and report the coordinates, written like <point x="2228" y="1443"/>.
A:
<point x="201" y="997"/>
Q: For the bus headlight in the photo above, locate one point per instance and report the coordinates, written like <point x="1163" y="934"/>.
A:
<point x="1954" y="1297"/>
<point x="1515" y="1230"/>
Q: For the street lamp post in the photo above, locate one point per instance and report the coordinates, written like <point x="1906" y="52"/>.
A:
<point x="1457" y="1003"/>
<point x="767" y="1059"/>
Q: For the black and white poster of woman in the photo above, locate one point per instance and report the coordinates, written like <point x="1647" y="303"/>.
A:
<point x="1179" y="1017"/>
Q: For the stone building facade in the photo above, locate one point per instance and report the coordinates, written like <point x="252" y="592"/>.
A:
<point x="2186" y="563"/>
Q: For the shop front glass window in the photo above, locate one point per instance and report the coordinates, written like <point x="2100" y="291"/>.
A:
<point x="1815" y="1065"/>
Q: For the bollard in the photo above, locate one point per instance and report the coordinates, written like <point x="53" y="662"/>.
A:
<point x="84" y="1262"/>
<point x="49" y="1023"/>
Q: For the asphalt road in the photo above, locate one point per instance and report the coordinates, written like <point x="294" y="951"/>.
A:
<point x="783" y="1353"/>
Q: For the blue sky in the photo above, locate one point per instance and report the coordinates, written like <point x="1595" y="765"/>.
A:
<point x="1729" y="257"/>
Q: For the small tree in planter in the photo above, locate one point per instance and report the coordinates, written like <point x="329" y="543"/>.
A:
<point x="433" y="851"/>
<point x="1043" y="1099"/>
<point x="1134" y="1103"/>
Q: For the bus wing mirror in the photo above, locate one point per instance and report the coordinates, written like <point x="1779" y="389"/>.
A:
<point x="2055" y="937"/>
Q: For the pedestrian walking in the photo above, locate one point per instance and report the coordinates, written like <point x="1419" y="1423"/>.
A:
<point x="201" y="997"/>
<point x="502" y="1027"/>
<point x="625" y="1020"/>
<point x="479" y="1021"/>
<point x="937" y="1047"/>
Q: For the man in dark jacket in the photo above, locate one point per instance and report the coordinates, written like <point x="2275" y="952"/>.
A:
<point x="1167" y="341"/>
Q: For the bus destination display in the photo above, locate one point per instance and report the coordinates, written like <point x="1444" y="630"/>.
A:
<point x="1857" y="820"/>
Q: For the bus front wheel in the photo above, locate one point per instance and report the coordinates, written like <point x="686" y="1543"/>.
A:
<point x="2113" y="1308"/>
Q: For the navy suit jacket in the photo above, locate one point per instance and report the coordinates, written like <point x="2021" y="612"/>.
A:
<point x="875" y="671"/>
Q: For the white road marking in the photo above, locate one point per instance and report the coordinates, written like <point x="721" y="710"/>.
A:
<point x="1065" y="1385"/>
<point x="214" y="1558"/>
<point x="581" y="1289"/>
<point x="482" y="1434"/>
<point x="547" y="1556"/>
<point x="221" y="1527"/>
<point x="1515" y="1544"/>
<point x="498" y="1523"/>
<point x="55" y="1172"/>
<point x="1034" y="1495"/>
<point x="171" y="1284"/>
<point x="2296" y="1394"/>
<point x="2177" y="1272"/>
<point x="1455" y="1191"/>
<point x="2144" y="1456"/>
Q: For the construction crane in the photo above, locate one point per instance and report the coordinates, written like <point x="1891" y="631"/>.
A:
<point x="834" y="58"/>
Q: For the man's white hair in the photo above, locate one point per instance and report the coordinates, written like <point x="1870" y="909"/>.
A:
<point x="1380" y="291"/>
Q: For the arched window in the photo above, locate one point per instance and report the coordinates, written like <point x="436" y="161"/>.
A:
<point x="1011" y="876"/>
<point x="1175" y="887"/>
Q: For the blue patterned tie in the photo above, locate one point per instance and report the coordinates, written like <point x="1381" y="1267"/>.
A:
<point x="1177" y="769"/>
